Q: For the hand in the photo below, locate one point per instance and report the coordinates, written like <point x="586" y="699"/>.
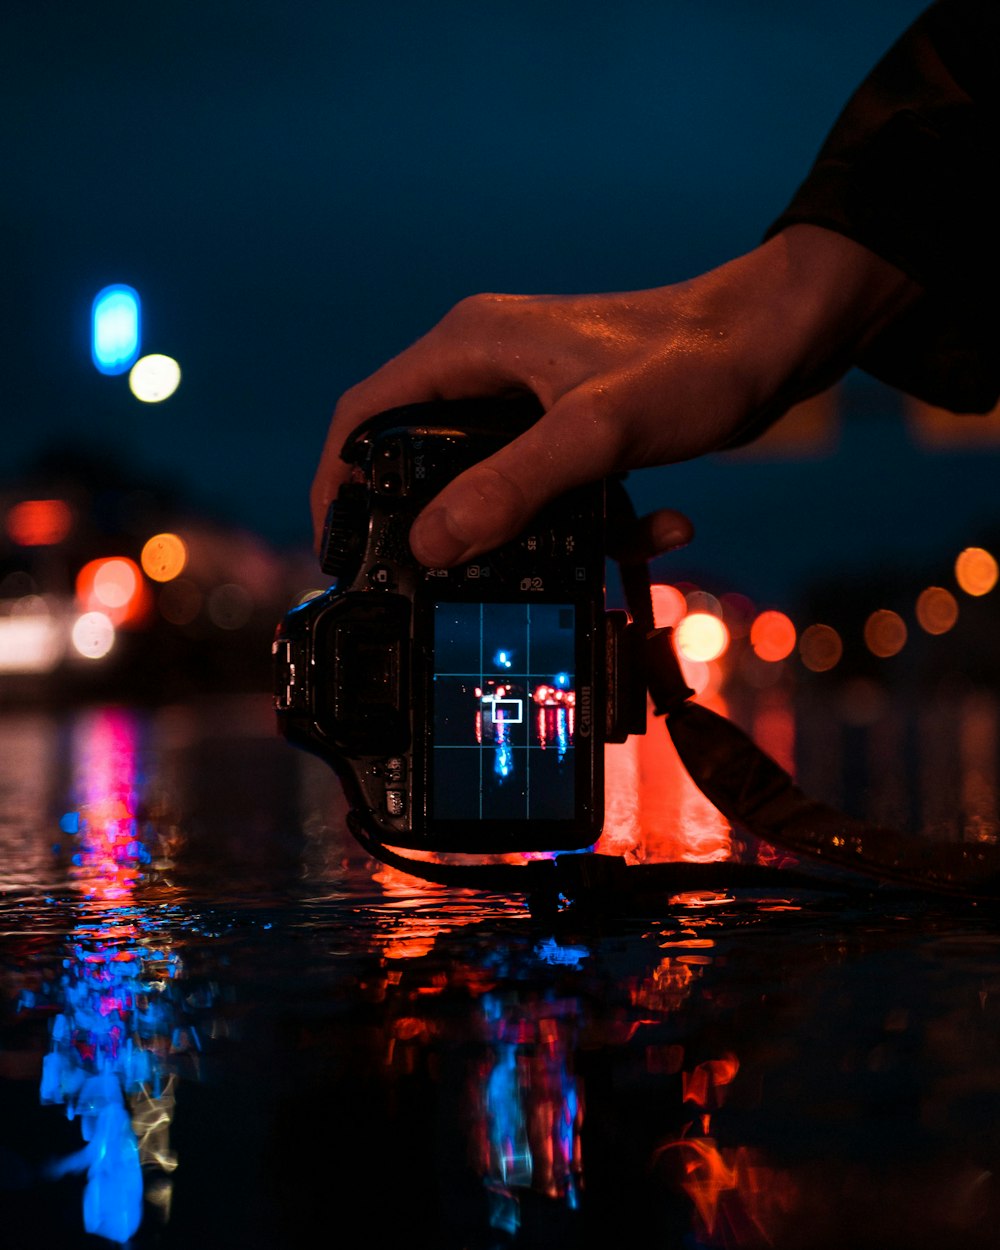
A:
<point x="627" y="380"/>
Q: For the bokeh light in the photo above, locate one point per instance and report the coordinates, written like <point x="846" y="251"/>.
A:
<point x="772" y="636"/>
<point x="703" y="601"/>
<point x="163" y="557"/>
<point x="31" y="640"/>
<point x="976" y="571"/>
<point x="93" y="635"/>
<point x="738" y="613"/>
<point x="701" y="636"/>
<point x="115" y="329"/>
<point x="39" y="522"/>
<point x="937" y="610"/>
<point x="669" y="605"/>
<point x="885" y="633"/>
<point x="113" y="585"/>
<point x="154" y="378"/>
<point x="820" y="648"/>
<point x="230" y="606"/>
<point x="697" y="674"/>
<point x="115" y="582"/>
<point x="180" y="601"/>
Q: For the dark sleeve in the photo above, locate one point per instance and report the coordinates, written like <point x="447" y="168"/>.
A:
<point x="910" y="170"/>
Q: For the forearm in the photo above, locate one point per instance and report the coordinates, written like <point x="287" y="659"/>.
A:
<point x="908" y="172"/>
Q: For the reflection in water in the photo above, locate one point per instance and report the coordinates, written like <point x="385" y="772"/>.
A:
<point x="923" y="762"/>
<point x="529" y="1045"/>
<point x="653" y="810"/>
<point x="114" y="1032"/>
<point x="726" y="1073"/>
<point x="530" y="1105"/>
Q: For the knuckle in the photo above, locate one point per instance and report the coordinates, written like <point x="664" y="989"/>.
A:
<point x="607" y="430"/>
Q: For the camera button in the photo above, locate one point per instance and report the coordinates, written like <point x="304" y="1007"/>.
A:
<point x="395" y="802"/>
<point x="389" y="484"/>
<point x="380" y="577"/>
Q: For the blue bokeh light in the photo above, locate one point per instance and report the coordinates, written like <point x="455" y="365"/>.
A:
<point x="115" y="329"/>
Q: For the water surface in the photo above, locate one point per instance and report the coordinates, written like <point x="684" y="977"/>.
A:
<point x="223" y="1025"/>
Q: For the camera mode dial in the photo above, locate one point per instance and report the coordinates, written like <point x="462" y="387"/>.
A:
<point x="345" y="534"/>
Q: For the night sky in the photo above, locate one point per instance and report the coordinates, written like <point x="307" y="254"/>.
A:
<point x="298" y="191"/>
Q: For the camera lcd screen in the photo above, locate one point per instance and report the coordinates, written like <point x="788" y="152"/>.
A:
<point x="504" y="711"/>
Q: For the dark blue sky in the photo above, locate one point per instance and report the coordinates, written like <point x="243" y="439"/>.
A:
<point x="299" y="190"/>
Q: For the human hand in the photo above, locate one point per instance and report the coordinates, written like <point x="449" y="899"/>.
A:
<point x="627" y="380"/>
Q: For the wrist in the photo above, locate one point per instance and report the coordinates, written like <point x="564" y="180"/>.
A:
<point x="831" y="298"/>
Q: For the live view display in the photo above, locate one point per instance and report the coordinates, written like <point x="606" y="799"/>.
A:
<point x="504" y="711"/>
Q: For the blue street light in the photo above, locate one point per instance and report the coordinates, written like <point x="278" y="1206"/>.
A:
<point x="115" y="325"/>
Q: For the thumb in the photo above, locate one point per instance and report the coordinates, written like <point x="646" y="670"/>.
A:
<point x="479" y="510"/>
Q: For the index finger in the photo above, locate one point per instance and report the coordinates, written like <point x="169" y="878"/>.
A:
<point x="435" y="367"/>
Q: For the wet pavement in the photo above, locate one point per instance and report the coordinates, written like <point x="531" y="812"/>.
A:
<point x="223" y="1025"/>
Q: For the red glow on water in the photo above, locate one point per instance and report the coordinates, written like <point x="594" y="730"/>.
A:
<point x="702" y="1085"/>
<point x="704" y="1175"/>
<point x="653" y="809"/>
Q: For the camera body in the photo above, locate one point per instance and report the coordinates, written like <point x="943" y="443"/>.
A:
<point x="463" y="709"/>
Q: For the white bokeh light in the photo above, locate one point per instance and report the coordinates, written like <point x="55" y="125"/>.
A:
<point x="93" y="635"/>
<point x="154" y="378"/>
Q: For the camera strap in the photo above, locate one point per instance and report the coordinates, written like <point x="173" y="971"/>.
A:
<point x="749" y="788"/>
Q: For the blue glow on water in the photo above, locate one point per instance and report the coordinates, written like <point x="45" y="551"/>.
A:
<point x="115" y="329"/>
<point x="550" y="951"/>
<point x="116" y="1035"/>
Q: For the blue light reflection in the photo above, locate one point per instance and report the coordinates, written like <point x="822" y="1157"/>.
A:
<point x="115" y="1033"/>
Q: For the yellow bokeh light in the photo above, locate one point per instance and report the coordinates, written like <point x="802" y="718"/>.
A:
<point x="154" y="378"/>
<point x="163" y="557"/>
<point x="772" y="636"/>
<point x="701" y="636"/>
<point x="976" y="571"/>
<point x="820" y="648"/>
<point x="937" y="610"/>
<point x="885" y="633"/>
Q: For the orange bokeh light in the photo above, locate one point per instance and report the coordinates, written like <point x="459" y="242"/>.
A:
<point x="163" y="557"/>
<point x="976" y="571"/>
<point x="937" y="610"/>
<point x="39" y="522"/>
<point x="885" y="633"/>
<point x="701" y="636"/>
<point x="113" y="585"/>
<point x="772" y="636"/>
<point x="820" y="648"/>
<point x="669" y="605"/>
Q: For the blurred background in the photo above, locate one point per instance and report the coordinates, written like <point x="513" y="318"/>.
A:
<point x="220" y="215"/>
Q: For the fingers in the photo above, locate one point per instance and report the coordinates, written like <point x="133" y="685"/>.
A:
<point x="443" y="364"/>
<point x="652" y="535"/>
<point x="495" y="499"/>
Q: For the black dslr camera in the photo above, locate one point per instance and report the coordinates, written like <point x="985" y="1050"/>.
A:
<point x="463" y="709"/>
